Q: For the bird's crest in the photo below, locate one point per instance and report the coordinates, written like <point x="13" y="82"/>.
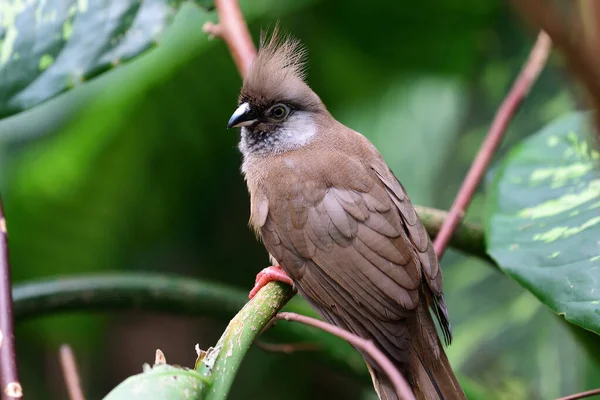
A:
<point x="280" y="53"/>
<point x="278" y="71"/>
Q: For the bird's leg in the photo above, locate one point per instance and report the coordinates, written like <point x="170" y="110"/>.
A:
<point x="270" y="274"/>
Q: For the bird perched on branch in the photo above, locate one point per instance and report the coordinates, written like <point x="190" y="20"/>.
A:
<point x="338" y="225"/>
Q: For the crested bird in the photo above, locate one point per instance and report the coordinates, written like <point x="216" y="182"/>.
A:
<point x="338" y="225"/>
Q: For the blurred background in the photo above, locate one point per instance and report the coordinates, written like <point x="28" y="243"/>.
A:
<point x="135" y="171"/>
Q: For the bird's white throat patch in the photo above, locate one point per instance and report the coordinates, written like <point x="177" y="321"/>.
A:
<point x="295" y="132"/>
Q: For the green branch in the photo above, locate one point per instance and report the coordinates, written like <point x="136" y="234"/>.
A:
<point x="176" y="296"/>
<point x="223" y="362"/>
<point x="467" y="237"/>
<point x="127" y="291"/>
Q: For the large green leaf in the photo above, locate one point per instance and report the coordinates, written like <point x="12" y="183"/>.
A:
<point x="49" y="46"/>
<point x="543" y="219"/>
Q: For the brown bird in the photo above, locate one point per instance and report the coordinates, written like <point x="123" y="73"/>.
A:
<point x="335" y="220"/>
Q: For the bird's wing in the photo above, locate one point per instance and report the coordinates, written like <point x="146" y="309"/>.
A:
<point x="421" y="243"/>
<point x="350" y="249"/>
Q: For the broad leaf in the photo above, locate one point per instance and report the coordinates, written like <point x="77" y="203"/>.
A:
<point x="543" y="219"/>
<point x="47" y="47"/>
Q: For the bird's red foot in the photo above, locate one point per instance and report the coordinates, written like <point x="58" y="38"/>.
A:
<point x="269" y="274"/>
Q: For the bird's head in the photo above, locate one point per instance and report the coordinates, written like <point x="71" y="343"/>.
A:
<point x="277" y="110"/>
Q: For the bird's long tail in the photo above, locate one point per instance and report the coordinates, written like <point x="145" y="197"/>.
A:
<point x="430" y="374"/>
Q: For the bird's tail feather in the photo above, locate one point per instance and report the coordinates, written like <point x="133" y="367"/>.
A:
<point x="428" y="383"/>
<point x="437" y="381"/>
<point x="431" y="376"/>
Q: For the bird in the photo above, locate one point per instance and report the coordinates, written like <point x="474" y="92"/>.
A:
<point x="337" y="223"/>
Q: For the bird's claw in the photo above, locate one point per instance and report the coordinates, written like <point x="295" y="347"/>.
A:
<point x="270" y="274"/>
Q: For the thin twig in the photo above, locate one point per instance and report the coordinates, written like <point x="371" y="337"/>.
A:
<point x="268" y="326"/>
<point x="400" y="385"/>
<point x="233" y="30"/>
<point x="70" y="373"/>
<point x="529" y="73"/>
<point x="9" y="378"/>
<point x="287" y="348"/>
<point x="581" y="395"/>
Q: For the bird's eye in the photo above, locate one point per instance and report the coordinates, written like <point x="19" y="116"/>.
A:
<point x="279" y="111"/>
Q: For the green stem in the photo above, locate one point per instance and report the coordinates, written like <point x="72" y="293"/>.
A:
<point x="127" y="291"/>
<point x="223" y="362"/>
<point x="468" y="237"/>
<point x="174" y="295"/>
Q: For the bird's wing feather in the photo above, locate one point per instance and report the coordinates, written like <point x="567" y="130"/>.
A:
<point x="355" y="254"/>
<point x="416" y="233"/>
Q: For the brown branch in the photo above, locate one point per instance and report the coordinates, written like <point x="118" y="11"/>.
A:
<point x="233" y="30"/>
<point x="9" y="378"/>
<point x="581" y="395"/>
<point x="529" y="73"/>
<point x="589" y="12"/>
<point x="287" y="348"/>
<point x="70" y="373"/>
<point x="577" y="45"/>
<point x="400" y="385"/>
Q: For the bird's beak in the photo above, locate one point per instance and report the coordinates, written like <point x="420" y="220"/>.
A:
<point x="243" y="116"/>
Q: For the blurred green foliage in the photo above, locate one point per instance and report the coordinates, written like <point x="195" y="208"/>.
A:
<point x="135" y="171"/>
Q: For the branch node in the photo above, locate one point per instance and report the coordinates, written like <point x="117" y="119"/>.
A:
<point x="159" y="357"/>
<point x="234" y="32"/>
<point x="213" y="30"/>
<point x="14" y="390"/>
